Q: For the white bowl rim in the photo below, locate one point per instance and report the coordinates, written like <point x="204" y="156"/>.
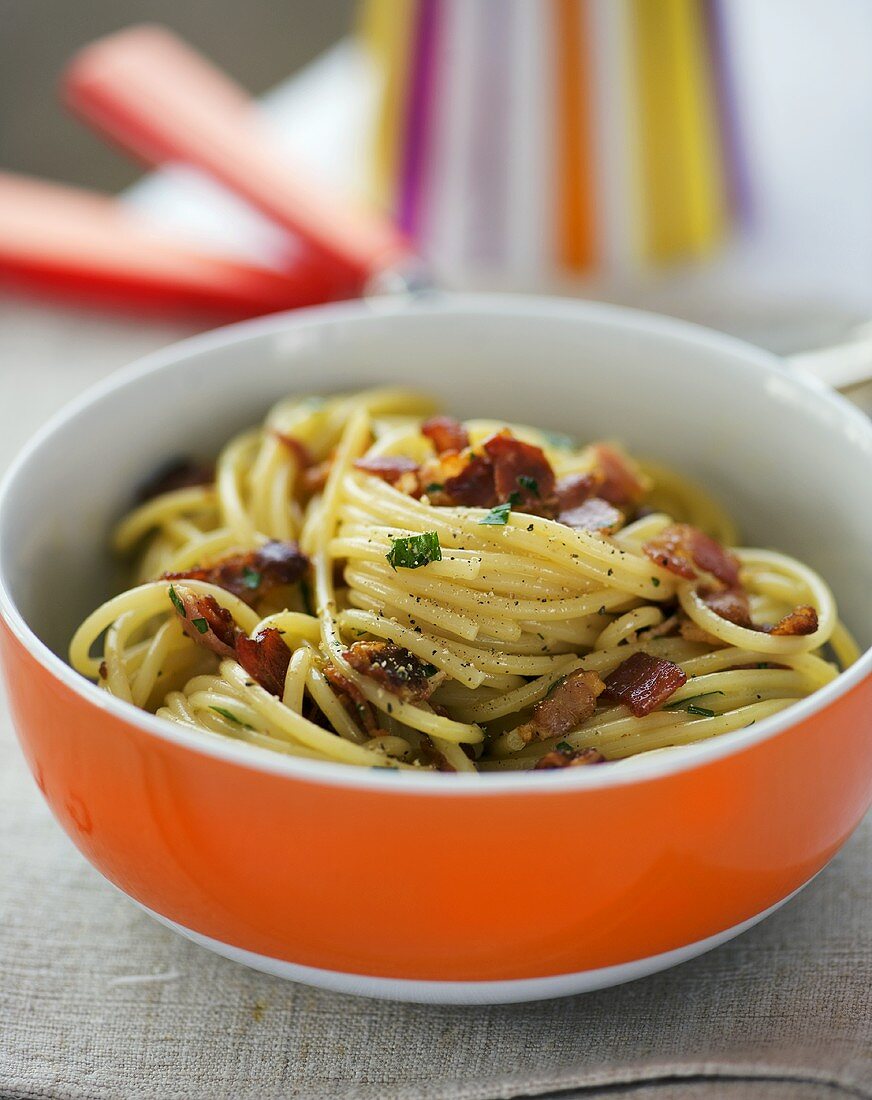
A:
<point x="646" y="767"/>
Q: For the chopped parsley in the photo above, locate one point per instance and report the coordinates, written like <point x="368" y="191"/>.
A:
<point x="177" y="603"/>
<point x="428" y="669"/>
<point x="655" y="581"/>
<point x="414" y="551"/>
<point x="498" y="516"/>
<point x="564" y="746"/>
<point x="434" y="487"/>
<point x="201" y="625"/>
<point x="683" y="704"/>
<point x="231" y="717"/>
<point x="250" y="577"/>
<point x="529" y="483"/>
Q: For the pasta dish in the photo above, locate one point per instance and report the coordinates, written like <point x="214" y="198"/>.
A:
<point x="364" y="580"/>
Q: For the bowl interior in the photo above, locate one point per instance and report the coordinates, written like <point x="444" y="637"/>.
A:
<point x="792" y="462"/>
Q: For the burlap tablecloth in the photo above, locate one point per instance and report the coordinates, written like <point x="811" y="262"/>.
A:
<point x="96" y="1000"/>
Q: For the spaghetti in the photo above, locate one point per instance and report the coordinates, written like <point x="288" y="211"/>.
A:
<point x="361" y="580"/>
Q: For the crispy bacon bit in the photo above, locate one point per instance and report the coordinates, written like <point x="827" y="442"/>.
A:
<point x="315" y="477"/>
<point x="685" y="550"/>
<point x="180" y="473"/>
<point x="594" y="515"/>
<point x="731" y="604"/>
<point x="520" y="468"/>
<point x="353" y="699"/>
<point x="395" y="668"/>
<point x="473" y="484"/>
<point x="560" y="758"/>
<point x="299" y="450"/>
<point x="389" y="468"/>
<point x="208" y="623"/>
<point x="265" y="658"/>
<point x="567" y="705"/>
<point x="802" y="620"/>
<point x="643" y="683"/>
<point x="622" y="483"/>
<point x="445" y="433"/>
<point x="573" y="490"/>
<point x="253" y="575"/>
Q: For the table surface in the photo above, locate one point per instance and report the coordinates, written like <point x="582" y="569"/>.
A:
<point x="97" y="1000"/>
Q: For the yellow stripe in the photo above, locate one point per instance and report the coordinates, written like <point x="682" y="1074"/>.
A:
<point x="386" y="29"/>
<point x="682" y="168"/>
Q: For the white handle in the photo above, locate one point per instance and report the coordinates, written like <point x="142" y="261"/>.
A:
<point x="841" y="365"/>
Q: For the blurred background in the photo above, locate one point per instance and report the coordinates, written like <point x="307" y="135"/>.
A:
<point x="708" y="158"/>
<point x="259" y="42"/>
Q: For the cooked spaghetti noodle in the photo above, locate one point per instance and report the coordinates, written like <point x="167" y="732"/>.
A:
<point x="362" y="581"/>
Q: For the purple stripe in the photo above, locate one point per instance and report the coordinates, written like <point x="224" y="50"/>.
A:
<point x="739" y="191"/>
<point x="418" y="118"/>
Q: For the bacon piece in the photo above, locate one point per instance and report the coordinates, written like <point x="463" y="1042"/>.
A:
<point x="564" y="708"/>
<point x="520" y="468"/>
<point x="299" y="450"/>
<point x="207" y="622"/>
<point x="572" y="490"/>
<point x="685" y="550"/>
<point x="473" y="484"/>
<point x="252" y="575"/>
<point x="315" y="477"/>
<point x="353" y="699"/>
<point x="731" y="604"/>
<point x="392" y="666"/>
<point x="800" y="621"/>
<point x="265" y="658"/>
<point x="561" y="758"/>
<point x="389" y="468"/>
<point x="643" y="683"/>
<point x="180" y="473"/>
<point x="621" y="480"/>
<point x="445" y="433"/>
<point x="594" y="515"/>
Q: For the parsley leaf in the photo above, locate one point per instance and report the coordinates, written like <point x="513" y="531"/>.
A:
<point x="177" y="603"/>
<point x="529" y="483"/>
<point x="428" y="669"/>
<point x="231" y="717"/>
<point x="201" y="625"/>
<point x="703" y="712"/>
<point x="414" y="551"/>
<point x="564" y="746"/>
<point x="682" y="703"/>
<point x="250" y="577"/>
<point x="655" y="581"/>
<point x="434" y="487"/>
<point x="497" y="517"/>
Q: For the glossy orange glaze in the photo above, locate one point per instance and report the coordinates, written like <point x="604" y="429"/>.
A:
<point x="450" y="887"/>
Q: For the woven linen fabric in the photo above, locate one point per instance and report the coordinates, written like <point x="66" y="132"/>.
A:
<point x="99" y="1001"/>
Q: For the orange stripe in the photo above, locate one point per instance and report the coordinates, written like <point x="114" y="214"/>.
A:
<point x="575" y="198"/>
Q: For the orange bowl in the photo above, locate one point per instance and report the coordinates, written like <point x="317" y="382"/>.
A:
<point x="445" y="887"/>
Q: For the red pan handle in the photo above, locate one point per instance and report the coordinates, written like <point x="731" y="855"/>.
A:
<point x="155" y="96"/>
<point x="82" y="245"/>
